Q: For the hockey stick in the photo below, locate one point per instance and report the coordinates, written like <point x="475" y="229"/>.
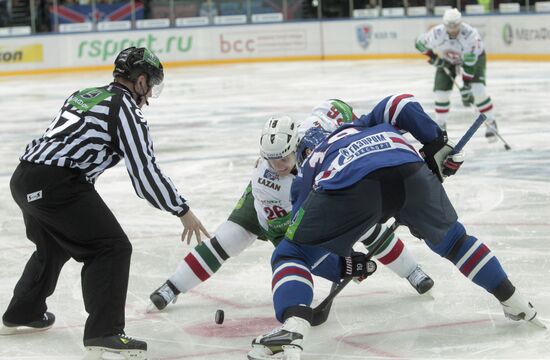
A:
<point x="506" y="145"/>
<point x="321" y="311"/>
<point x="468" y="134"/>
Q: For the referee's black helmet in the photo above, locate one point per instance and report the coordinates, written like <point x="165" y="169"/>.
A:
<point x="133" y="61"/>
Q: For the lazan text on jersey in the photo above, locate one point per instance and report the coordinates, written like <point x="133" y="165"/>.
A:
<point x="269" y="184"/>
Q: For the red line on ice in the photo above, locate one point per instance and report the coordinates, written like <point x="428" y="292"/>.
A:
<point x="228" y="302"/>
<point x="204" y="354"/>
<point x="362" y="345"/>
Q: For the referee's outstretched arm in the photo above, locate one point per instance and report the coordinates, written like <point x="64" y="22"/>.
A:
<point x="148" y="180"/>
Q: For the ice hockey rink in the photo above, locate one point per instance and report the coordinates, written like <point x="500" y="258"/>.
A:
<point x="206" y="126"/>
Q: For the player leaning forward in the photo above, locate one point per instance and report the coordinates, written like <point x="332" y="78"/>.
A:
<point x="264" y="211"/>
<point x="66" y="218"/>
<point x="455" y="48"/>
<point x="360" y="175"/>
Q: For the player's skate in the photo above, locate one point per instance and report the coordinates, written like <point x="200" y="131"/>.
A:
<point x="281" y="343"/>
<point x="125" y="346"/>
<point x="162" y="296"/>
<point x="38" y="325"/>
<point x="516" y="308"/>
<point x="420" y="281"/>
<point x="491" y="131"/>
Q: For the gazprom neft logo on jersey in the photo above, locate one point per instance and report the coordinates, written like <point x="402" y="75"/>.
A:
<point x="362" y="147"/>
<point x="79" y="103"/>
<point x="512" y="34"/>
<point x="88" y="98"/>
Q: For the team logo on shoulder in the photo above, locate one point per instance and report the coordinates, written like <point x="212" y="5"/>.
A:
<point x="271" y="175"/>
<point x="88" y="98"/>
<point x="269" y="180"/>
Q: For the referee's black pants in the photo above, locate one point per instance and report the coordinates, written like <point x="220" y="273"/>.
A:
<point x="66" y="218"/>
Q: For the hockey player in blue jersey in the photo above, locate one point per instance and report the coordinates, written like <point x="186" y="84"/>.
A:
<point x="362" y="174"/>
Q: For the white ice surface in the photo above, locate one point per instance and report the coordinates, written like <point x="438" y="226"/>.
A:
<point x="206" y="127"/>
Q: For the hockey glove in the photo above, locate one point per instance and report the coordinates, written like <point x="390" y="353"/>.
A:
<point x="436" y="60"/>
<point x="467" y="96"/>
<point x="437" y="155"/>
<point x="357" y="266"/>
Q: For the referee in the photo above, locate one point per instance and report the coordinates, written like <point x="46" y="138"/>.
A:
<point x="66" y="218"/>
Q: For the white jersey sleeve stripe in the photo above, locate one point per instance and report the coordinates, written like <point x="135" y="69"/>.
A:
<point x="468" y="253"/>
<point x="387" y="109"/>
<point x="132" y="159"/>
<point x="169" y="194"/>
<point x="402" y="103"/>
<point x="292" y="278"/>
<point x="148" y="174"/>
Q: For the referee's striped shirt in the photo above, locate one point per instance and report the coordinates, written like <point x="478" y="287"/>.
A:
<point x="96" y="128"/>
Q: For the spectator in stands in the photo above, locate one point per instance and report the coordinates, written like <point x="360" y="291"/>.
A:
<point x="43" y="15"/>
<point x="4" y="15"/>
<point x="392" y="3"/>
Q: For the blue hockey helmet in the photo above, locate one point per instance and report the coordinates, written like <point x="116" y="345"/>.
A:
<point x="312" y="137"/>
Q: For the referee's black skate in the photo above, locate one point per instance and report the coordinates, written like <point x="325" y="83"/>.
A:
<point x="129" y="348"/>
<point x="46" y="322"/>
<point x="161" y="297"/>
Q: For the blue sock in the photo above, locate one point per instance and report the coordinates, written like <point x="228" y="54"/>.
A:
<point x="292" y="285"/>
<point x="476" y="261"/>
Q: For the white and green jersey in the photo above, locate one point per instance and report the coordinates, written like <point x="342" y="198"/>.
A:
<point x="464" y="50"/>
<point x="271" y="198"/>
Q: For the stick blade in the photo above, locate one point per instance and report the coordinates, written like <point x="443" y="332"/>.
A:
<point x="320" y="314"/>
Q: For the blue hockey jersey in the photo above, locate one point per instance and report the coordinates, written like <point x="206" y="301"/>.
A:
<point x="372" y="142"/>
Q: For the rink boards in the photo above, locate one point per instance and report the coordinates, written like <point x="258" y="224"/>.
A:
<point x="512" y="37"/>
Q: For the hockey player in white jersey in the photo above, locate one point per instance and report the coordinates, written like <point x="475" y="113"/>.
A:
<point x="456" y="48"/>
<point x="264" y="211"/>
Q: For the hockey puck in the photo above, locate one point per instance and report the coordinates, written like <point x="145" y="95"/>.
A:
<point x="219" y="316"/>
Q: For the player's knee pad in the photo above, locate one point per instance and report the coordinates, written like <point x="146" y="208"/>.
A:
<point x="479" y="92"/>
<point x="442" y="96"/>
<point x="443" y="247"/>
<point x="483" y="101"/>
<point x="232" y="238"/>
<point x="442" y="106"/>
<point x="286" y="250"/>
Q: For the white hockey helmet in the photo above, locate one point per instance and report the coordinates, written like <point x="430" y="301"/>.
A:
<point x="452" y="19"/>
<point x="328" y="115"/>
<point x="279" y="137"/>
<point x="333" y="113"/>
